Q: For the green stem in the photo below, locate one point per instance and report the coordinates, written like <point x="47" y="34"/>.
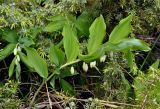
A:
<point x="46" y="80"/>
<point x="70" y="63"/>
<point x="5" y="63"/>
<point x="149" y="53"/>
<point x="36" y="93"/>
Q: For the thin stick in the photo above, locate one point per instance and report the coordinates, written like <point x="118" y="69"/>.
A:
<point x="149" y="53"/>
<point x="50" y="102"/>
<point x="36" y="93"/>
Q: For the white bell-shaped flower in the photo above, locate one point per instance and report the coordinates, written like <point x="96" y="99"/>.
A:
<point x="19" y="48"/>
<point x="93" y="64"/>
<point x="15" y="51"/>
<point x="72" y="104"/>
<point x="18" y="58"/>
<point x="72" y="70"/>
<point x="85" y="67"/>
<point x="103" y="58"/>
<point x="67" y="108"/>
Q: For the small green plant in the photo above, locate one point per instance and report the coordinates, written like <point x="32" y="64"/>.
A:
<point x="8" y="96"/>
<point x="147" y="87"/>
<point x="64" y="60"/>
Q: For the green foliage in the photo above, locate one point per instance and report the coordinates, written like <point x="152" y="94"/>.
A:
<point x="97" y="33"/>
<point x="121" y="31"/>
<point x="11" y="68"/>
<point x="67" y="87"/>
<point x="70" y="43"/>
<point x="83" y="23"/>
<point x="8" y="96"/>
<point x="147" y="87"/>
<point x="52" y="38"/>
<point x="37" y="62"/>
<point x="10" y="36"/>
<point x="6" y="51"/>
<point x="57" y="23"/>
<point x="56" y="55"/>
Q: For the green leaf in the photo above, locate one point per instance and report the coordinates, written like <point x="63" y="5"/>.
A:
<point x="25" y="60"/>
<point x="11" y="67"/>
<point x="155" y="64"/>
<point x="121" y="31"/>
<point x="25" y="41"/>
<point x="83" y="23"/>
<point x="52" y="82"/>
<point x="54" y="26"/>
<point x="18" y="72"/>
<point x="10" y="36"/>
<point x="67" y="88"/>
<point x="57" y="23"/>
<point x="35" y="31"/>
<point x="125" y="82"/>
<point x="97" y="33"/>
<point x="70" y="43"/>
<point x="58" y="17"/>
<point x="92" y="56"/>
<point x="127" y="44"/>
<point x="56" y="55"/>
<point x="7" y="51"/>
<point x="139" y="87"/>
<point x="37" y="62"/>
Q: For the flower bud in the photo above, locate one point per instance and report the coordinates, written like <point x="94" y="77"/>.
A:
<point x="16" y="61"/>
<point x="19" y="48"/>
<point x="93" y="64"/>
<point x="18" y="58"/>
<point x="105" y="83"/>
<point x="72" y="104"/>
<point x="90" y="99"/>
<point x="103" y="58"/>
<point x="15" y="51"/>
<point x="67" y="108"/>
<point x="72" y="70"/>
<point x="85" y="67"/>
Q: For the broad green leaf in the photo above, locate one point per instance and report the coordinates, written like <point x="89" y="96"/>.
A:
<point x="125" y="82"/>
<point x="56" y="55"/>
<point x="121" y="31"/>
<point x="10" y="36"/>
<point x="57" y="23"/>
<point x="155" y="64"/>
<point x="52" y="82"/>
<point x="97" y="33"/>
<point x="83" y="23"/>
<point x="92" y="56"/>
<point x="54" y="26"/>
<point x="127" y="44"/>
<point x="25" y="41"/>
<point x="25" y="60"/>
<point x="67" y="88"/>
<point x="70" y="43"/>
<point x="37" y="62"/>
<point x="6" y="51"/>
<point x="70" y="19"/>
<point x="139" y="87"/>
<point x="18" y="72"/>
<point x="59" y="17"/>
<point x="35" y="31"/>
<point x="11" y="67"/>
